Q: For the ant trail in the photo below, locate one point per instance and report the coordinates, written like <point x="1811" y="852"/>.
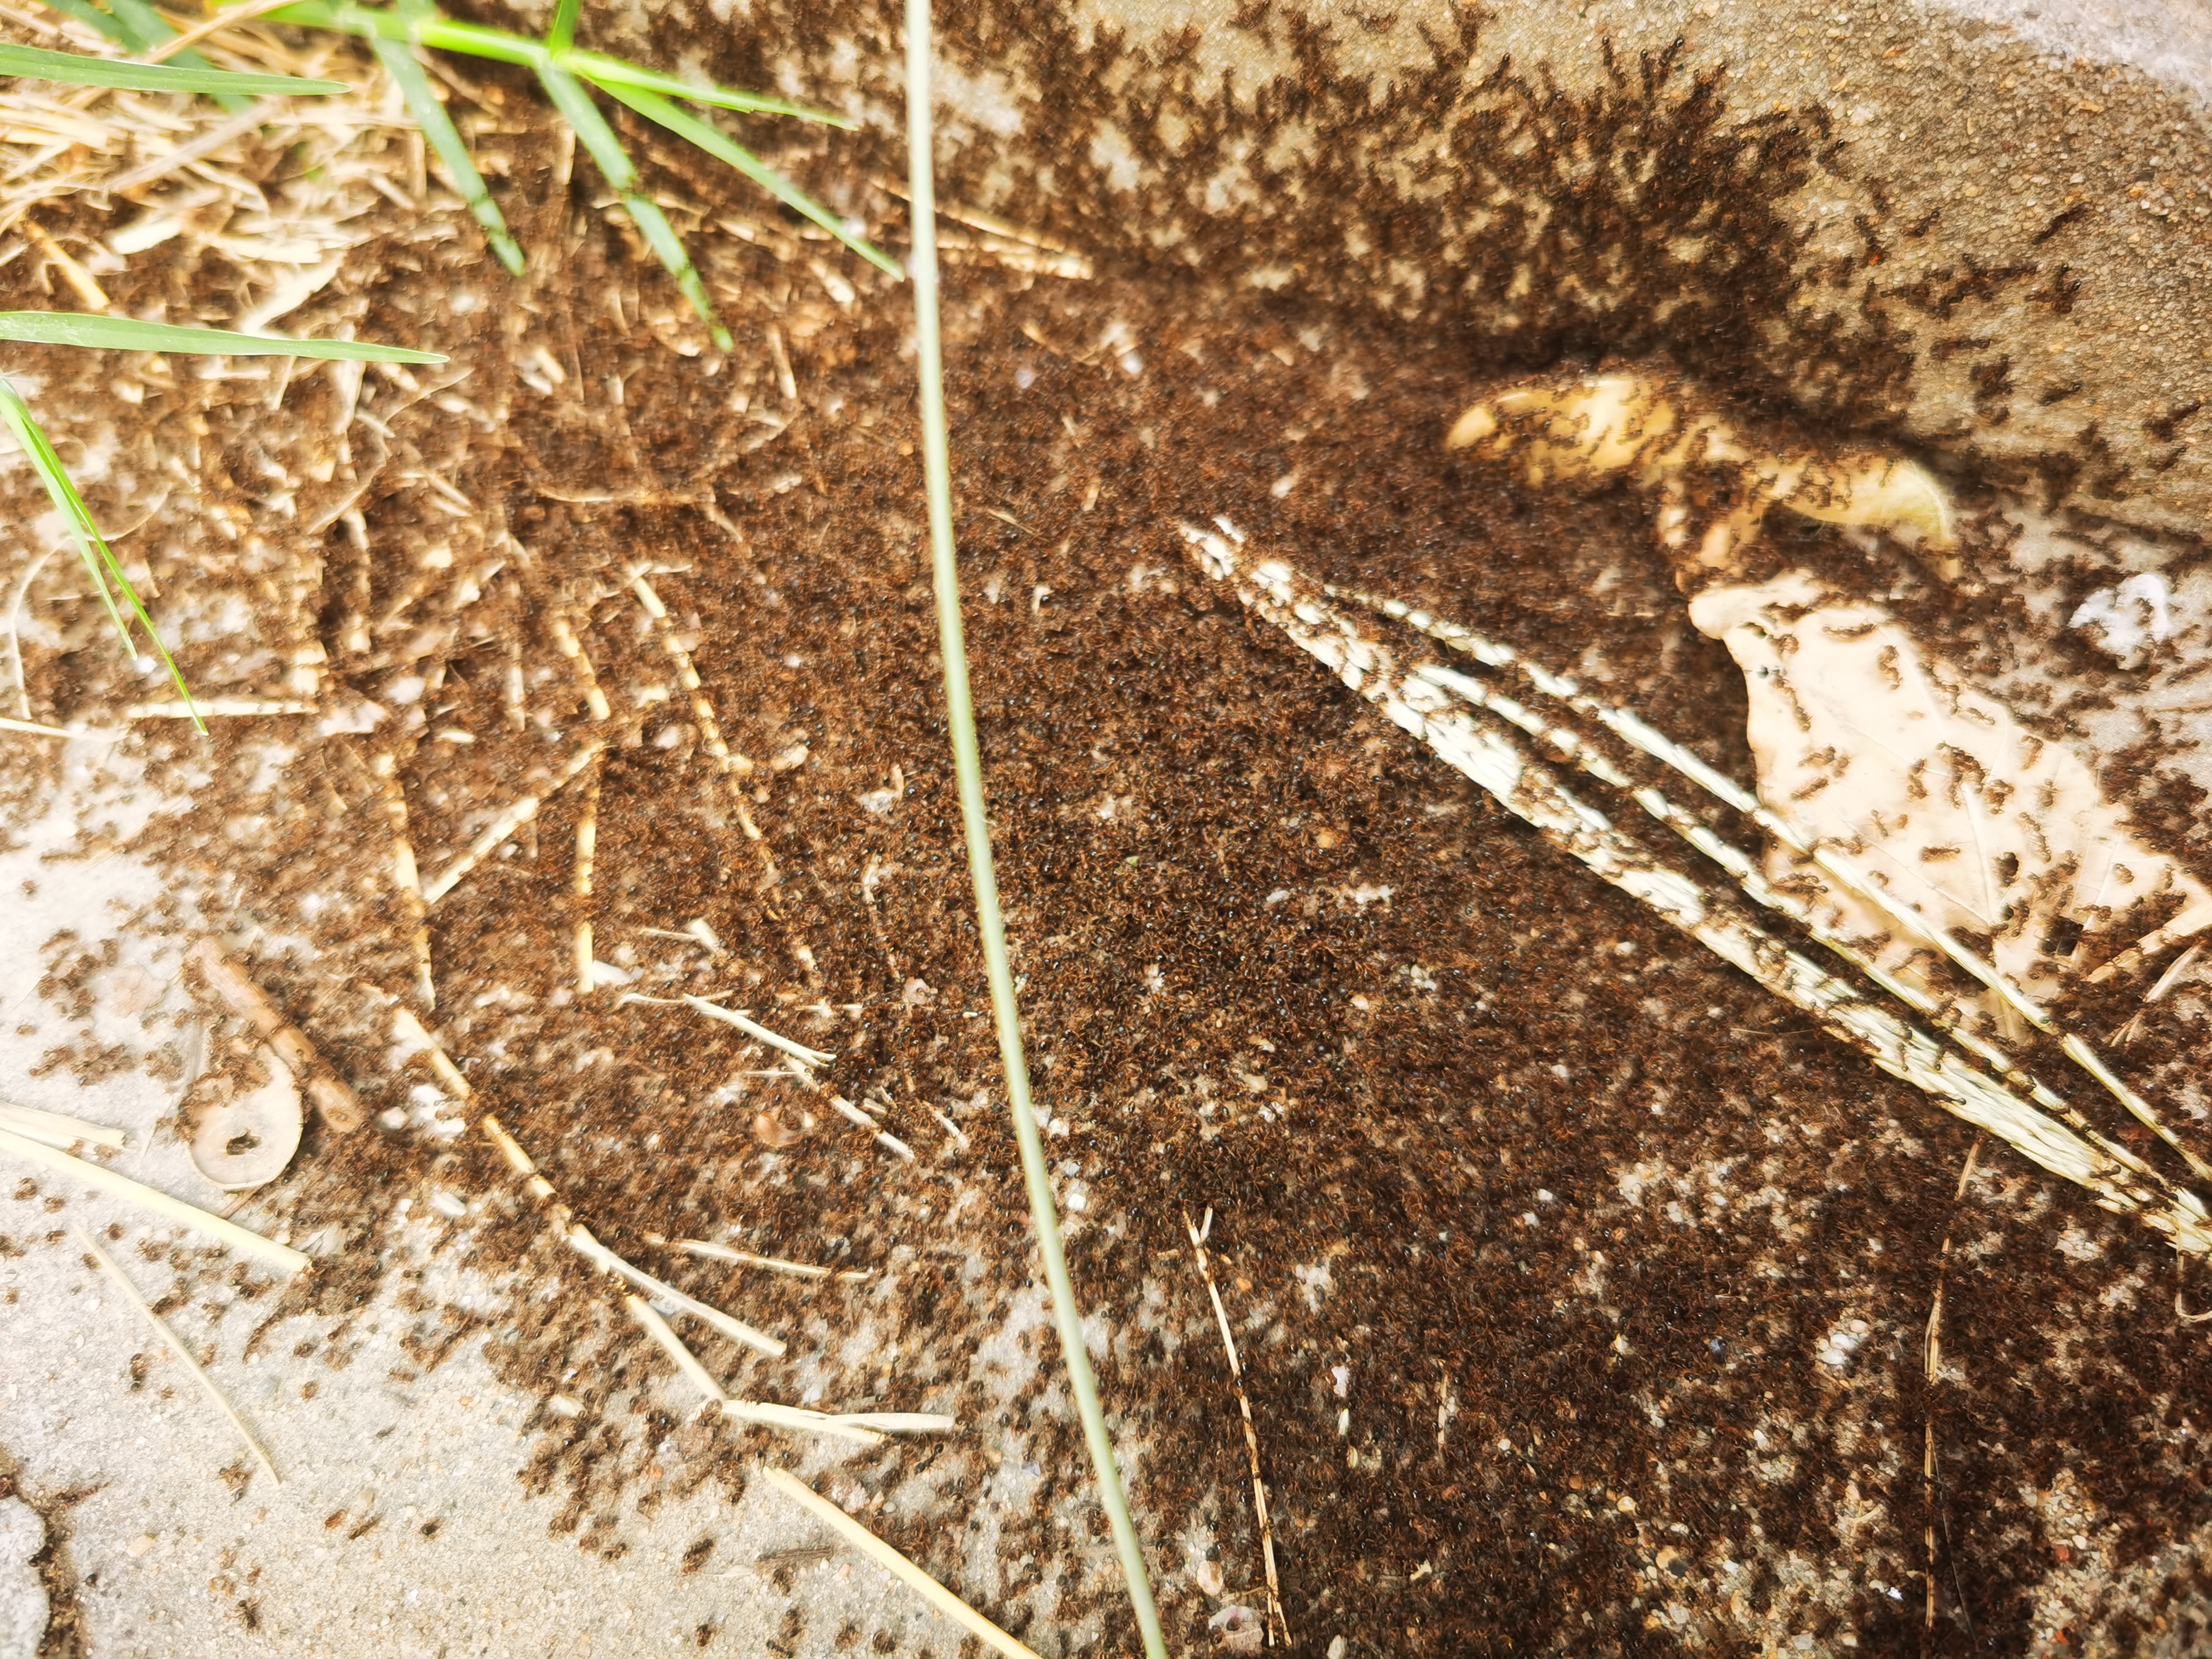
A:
<point x="587" y="843"/>
<point x="406" y="874"/>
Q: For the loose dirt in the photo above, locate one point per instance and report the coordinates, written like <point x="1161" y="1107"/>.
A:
<point x="1532" y="1219"/>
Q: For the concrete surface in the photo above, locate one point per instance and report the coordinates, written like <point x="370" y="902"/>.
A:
<point x="399" y="1526"/>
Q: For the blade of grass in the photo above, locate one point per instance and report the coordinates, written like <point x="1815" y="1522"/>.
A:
<point x="603" y="70"/>
<point x="563" y="34"/>
<point x="599" y="137"/>
<point x="142" y="28"/>
<point x="92" y="17"/>
<point x="100" y="559"/>
<point x="685" y="124"/>
<point x="75" y="68"/>
<point x="79" y="328"/>
<point x="968" y="763"/>
<point x="479" y="40"/>
<point x="398" y="61"/>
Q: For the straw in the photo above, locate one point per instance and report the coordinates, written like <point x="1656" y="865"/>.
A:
<point x="884" y="1556"/>
<point x="283" y="1257"/>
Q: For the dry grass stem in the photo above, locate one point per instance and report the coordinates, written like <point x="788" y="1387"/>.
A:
<point x="234" y="988"/>
<point x="283" y="1257"/>
<point x="889" y="1142"/>
<point x="33" y="729"/>
<point x="58" y="1130"/>
<point x="580" y="1240"/>
<point x="774" y="1264"/>
<point x="565" y="641"/>
<point x="87" y="291"/>
<point x="798" y="1418"/>
<point x="1932" y="1367"/>
<point x="798" y="1051"/>
<point x="884" y="1556"/>
<point x="507" y="822"/>
<point x="732" y="765"/>
<point x="408" y="1028"/>
<point x="785" y="381"/>
<point x="687" y="1362"/>
<point x="977" y="219"/>
<point x="228" y="18"/>
<point x="176" y="1346"/>
<point x="1279" y="1625"/>
<point x="406" y="875"/>
<point x="899" y="1422"/>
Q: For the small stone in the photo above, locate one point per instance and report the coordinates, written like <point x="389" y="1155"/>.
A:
<point x="138" y="1547"/>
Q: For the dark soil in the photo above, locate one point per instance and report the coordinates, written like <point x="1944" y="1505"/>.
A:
<point x="1576" y="1205"/>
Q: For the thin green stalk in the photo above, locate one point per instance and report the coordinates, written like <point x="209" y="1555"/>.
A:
<point x="597" y="137"/>
<point x="100" y="560"/>
<point x="398" y="61"/>
<point x="75" y="68"/>
<point x="686" y="125"/>
<point x="968" y="763"/>
<point x="109" y="333"/>
<point x="137" y="27"/>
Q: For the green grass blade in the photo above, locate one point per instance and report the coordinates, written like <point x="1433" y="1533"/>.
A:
<point x="937" y="470"/>
<point x="100" y="563"/>
<point x="478" y="40"/>
<point x="383" y="23"/>
<point x="445" y="137"/>
<point x="77" y="70"/>
<point x="686" y="125"/>
<point x="593" y="131"/>
<point x="92" y="17"/>
<point x="147" y="29"/>
<point x="603" y="70"/>
<point x="79" y="328"/>
<point x="597" y="137"/>
<point x="141" y="28"/>
<point x="664" y="240"/>
<point x="563" y="34"/>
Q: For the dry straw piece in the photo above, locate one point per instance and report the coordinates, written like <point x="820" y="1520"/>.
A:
<point x="507" y="822"/>
<point x="177" y="1348"/>
<point x="1281" y="1625"/>
<point x="884" y="1556"/>
<point x="59" y="1130"/>
<point x="798" y="1051"/>
<point x="773" y="1263"/>
<point x="283" y="1257"/>
<point x="580" y="1240"/>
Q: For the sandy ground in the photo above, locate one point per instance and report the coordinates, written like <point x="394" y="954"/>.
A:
<point x="399" y="1526"/>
